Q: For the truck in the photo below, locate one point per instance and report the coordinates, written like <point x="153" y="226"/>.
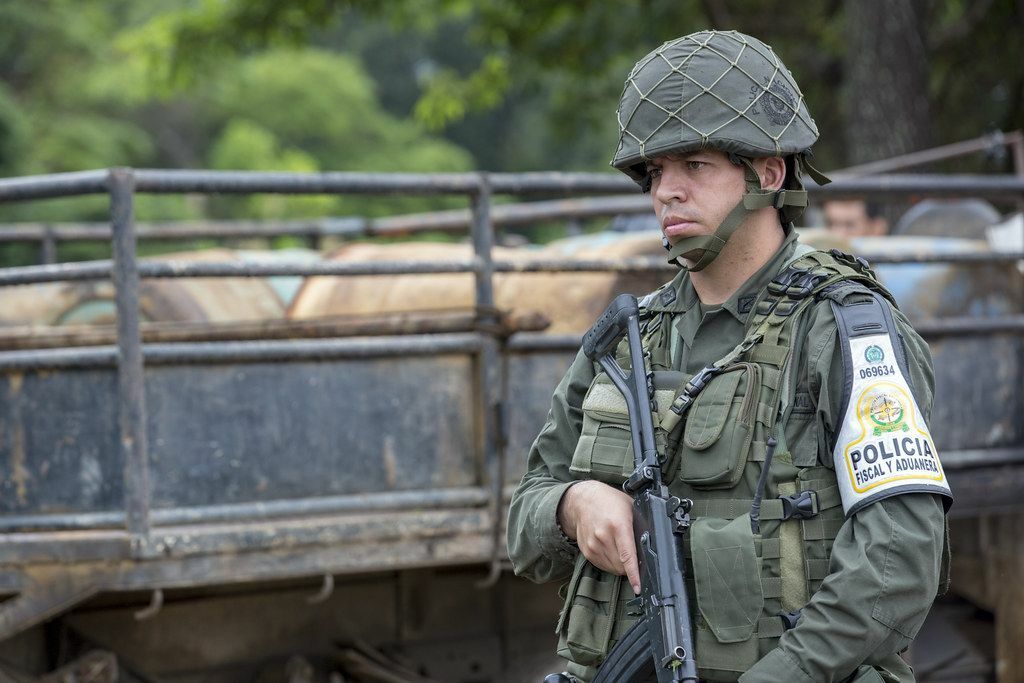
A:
<point x="322" y="497"/>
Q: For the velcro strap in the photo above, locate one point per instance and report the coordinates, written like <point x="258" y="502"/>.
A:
<point x="771" y="548"/>
<point x="816" y="569"/>
<point x="770" y="377"/>
<point x="731" y="508"/>
<point x="772" y="509"/>
<point x="592" y="588"/>
<point x="770" y="627"/>
<point x="766" y="414"/>
<point x="828" y="496"/>
<point x="820" y="529"/>
<point x="725" y="508"/>
<point x="771" y="586"/>
<point x="765" y="353"/>
<point x="757" y="451"/>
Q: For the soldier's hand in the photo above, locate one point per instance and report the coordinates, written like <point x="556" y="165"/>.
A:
<point x="600" y="519"/>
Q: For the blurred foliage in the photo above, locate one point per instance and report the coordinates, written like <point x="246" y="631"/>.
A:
<point x="91" y="85"/>
<point x="432" y="85"/>
<point x="568" y="59"/>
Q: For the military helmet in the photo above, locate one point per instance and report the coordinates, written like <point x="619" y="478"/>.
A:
<point x="718" y="89"/>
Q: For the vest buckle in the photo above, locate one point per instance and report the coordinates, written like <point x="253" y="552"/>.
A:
<point x="803" y="505"/>
<point x="781" y="282"/>
<point x="692" y="388"/>
<point x="858" y="263"/>
<point x="801" y="288"/>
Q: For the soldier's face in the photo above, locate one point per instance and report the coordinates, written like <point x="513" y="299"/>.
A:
<point x="693" y="193"/>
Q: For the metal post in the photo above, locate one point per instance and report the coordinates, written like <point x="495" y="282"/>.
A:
<point x="131" y="392"/>
<point x="1017" y="152"/>
<point x="489" y="375"/>
<point x="48" y="246"/>
<point x="483" y="241"/>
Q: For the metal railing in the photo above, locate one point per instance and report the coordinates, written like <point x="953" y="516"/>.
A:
<point x="989" y="144"/>
<point x="50" y="235"/>
<point x="122" y="184"/>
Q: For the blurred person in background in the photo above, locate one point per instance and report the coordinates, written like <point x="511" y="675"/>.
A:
<point x="855" y="218"/>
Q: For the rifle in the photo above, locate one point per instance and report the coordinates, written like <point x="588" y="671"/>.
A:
<point x="659" y="521"/>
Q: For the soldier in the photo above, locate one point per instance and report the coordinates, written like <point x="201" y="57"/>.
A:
<point x="804" y="355"/>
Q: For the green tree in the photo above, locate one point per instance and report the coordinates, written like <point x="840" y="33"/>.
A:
<point x="93" y="98"/>
<point x="952" y="54"/>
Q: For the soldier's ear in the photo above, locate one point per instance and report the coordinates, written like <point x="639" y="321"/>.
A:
<point x="774" y="174"/>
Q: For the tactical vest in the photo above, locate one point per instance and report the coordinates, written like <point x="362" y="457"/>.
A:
<point x="748" y="587"/>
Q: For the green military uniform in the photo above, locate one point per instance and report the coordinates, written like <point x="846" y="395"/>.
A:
<point x="808" y="355"/>
<point x="863" y="599"/>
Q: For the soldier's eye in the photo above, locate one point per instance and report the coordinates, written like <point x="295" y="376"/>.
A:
<point x="695" y="165"/>
<point x="653" y="171"/>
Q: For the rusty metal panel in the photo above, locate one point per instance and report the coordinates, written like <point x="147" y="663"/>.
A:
<point x="59" y="443"/>
<point x="240" y="433"/>
<point x="979" y="392"/>
<point x="267" y="431"/>
<point x="532" y="378"/>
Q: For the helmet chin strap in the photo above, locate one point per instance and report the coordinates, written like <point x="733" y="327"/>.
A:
<point x="755" y="197"/>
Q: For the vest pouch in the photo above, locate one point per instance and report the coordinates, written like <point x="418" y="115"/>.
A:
<point x="587" y="620"/>
<point x="605" y="449"/>
<point x="667" y="384"/>
<point x="727" y="576"/>
<point x="720" y="427"/>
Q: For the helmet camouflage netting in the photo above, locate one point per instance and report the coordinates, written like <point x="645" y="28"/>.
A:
<point x="723" y="90"/>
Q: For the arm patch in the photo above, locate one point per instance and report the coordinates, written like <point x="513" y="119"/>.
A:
<point x="884" y="446"/>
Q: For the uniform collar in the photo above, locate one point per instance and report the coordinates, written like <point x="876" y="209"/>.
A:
<point x="742" y="300"/>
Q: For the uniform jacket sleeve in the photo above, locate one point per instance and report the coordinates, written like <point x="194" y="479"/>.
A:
<point x="536" y="546"/>
<point x="885" y="563"/>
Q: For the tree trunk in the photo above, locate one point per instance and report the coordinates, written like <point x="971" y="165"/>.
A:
<point x="885" y="94"/>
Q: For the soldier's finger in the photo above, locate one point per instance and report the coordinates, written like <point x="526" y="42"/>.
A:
<point x="627" y="558"/>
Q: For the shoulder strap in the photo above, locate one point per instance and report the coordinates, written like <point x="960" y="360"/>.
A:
<point x="808" y="277"/>
<point x="860" y="318"/>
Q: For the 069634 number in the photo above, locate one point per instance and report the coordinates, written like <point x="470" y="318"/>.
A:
<point x="877" y="371"/>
